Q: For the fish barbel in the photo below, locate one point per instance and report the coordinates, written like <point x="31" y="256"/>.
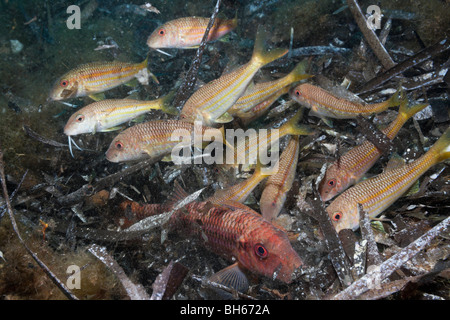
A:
<point x="106" y="115"/>
<point x="279" y="184"/>
<point x="153" y="139"/>
<point x="187" y="32"/>
<point x="210" y="103"/>
<point x="378" y="193"/>
<point x="96" y="77"/>
<point x="351" y="167"/>
<point x="326" y="105"/>
<point x="257" y="93"/>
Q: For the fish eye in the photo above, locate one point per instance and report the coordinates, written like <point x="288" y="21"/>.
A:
<point x="261" y="251"/>
<point x="64" y="83"/>
<point x="297" y="93"/>
<point x="161" y="32"/>
<point x="119" y="145"/>
<point x="80" y="118"/>
<point x="337" y="216"/>
<point x="332" y="182"/>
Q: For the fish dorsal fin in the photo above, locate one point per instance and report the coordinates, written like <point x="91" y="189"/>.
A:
<point x="232" y="277"/>
<point x="178" y="194"/>
<point x="394" y="162"/>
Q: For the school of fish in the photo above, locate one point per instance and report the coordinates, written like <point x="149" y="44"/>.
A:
<point x="252" y="241"/>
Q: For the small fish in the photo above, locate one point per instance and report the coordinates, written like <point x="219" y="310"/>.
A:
<point x="351" y="167"/>
<point x="94" y="78"/>
<point x="326" y="105"/>
<point x="246" y="153"/>
<point x="131" y="212"/>
<point x="279" y="184"/>
<point x="257" y="93"/>
<point x="187" y="33"/>
<point x="261" y="108"/>
<point x="106" y="115"/>
<point x="152" y="139"/>
<point x="211" y="102"/>
<point x="240" y="191"/>
<point x="378" y="193"/>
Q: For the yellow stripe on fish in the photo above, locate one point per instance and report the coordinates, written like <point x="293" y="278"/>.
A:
<point x="326" y="105"/>
<point x="378" y="193"/>
<point x="187" y="32"/>
<point x="154" y="139"/>
<point x="106" y="114"/>
<point x="351" y="167"/>
<point x="240" y="191"/>
<point x="255" y="94"/>
<point x="96" y="77"/>
<point x="212" y="101"/>
<point x="279" y="184"/>
<point x="246" y="152"/>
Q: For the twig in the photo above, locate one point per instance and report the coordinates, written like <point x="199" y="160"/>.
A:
<point x="135" y="292"/>
<point x="212" y="284"/>
<point x="188" y="85"/>
<point x="374" y="135"/>
<point x="407" y="64"/>
<point x="42" y="139"/>
<point x="373" y="278"/>
<point x="44" y="267"/>
<point x="337" y="254"/>
<point x="373" y="255"/>
<point x="370" y="36"/>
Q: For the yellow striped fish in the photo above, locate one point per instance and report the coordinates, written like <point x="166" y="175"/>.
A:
<point x="210" y="103"/>
<point x="326" y="105"/>
<point x="153" y="139"/>
<point x="187" y="32"/>
<point x="93" y="78"/>
<point x="279" y="184"/>
<point x="261" y="108"/>
<point x="106" y="115"/>
<point x="246" y="152"/>
<point x="257" y="93"/>
<point x="352" y="166"/>
<point x="240" y="191"/>
<point x="378" y="193"/>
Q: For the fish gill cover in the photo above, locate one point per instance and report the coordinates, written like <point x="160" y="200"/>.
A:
<point x="65" y="209"/>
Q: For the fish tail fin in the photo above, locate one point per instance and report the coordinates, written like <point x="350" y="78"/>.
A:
<point x="292" y="127"/>
<point x="299" y="72"/>
<point x="260" y="54"/>
<point x="165" y="103"/>
<point x="397" y="98"/>
<point x="407" y="110"/>
<point x="442" y="147"/>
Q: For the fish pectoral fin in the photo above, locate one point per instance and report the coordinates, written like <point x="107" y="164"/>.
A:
<point x="111" y="129"/>
<point x="97" y="96"/>
<point x="232" y="277"/>
<point x="132" y="83"/>
<point x="167" y="158"/>
<point x="396" y="161"/>
<point x="413" y="189"/>
<point x="225" y="118"/>
<point x="139" y="119"/>
<point x="178" y="194"/>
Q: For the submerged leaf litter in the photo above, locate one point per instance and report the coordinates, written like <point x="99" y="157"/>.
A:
<point x="68" y="208"/>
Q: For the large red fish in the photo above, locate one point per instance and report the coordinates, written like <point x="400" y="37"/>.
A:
<point x="237" y="233"/>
